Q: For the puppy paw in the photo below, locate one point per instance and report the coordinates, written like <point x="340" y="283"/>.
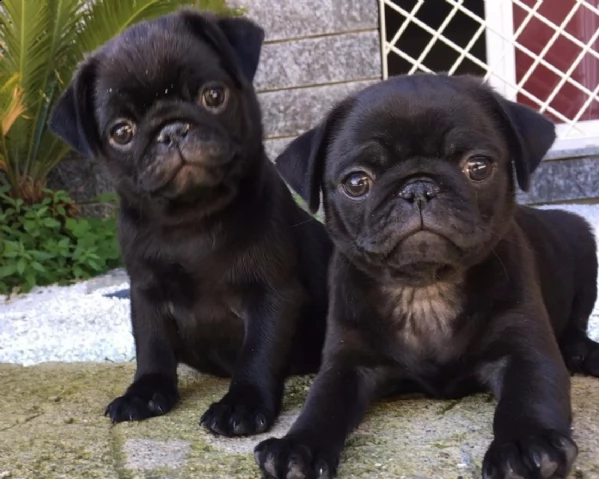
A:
<point x="547" y="455"/>
<point x="147" y="397"/>
<point x="581" y="354"/>
<point x="239" y="413"/>
<point x="290" y="459"/>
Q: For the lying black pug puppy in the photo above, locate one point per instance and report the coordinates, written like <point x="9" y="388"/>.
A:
<point x="228" y="274"/>
<point x="440" y="284"/>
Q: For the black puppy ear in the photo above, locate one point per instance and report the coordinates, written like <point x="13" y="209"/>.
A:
<point x="72" y="119"/>
<point x="302" y="163"/>
<point x="530" y="136"/>
<point x="246" y="38"/>
<point x="238" y="39"/>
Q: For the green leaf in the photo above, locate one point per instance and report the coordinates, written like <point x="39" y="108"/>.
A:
<point x="41" y="255"/>
<point x="51" y="223"/>
<point x="105" y="19"/>
<point x="91" y="255"/>
<point x="11" y="245"/>
<point x="62" y="196"/>
<point x="21" y="265"/>
<point x="37" y="266"/>
<point x="71" y="224"/>
<point x="8" y="270"/>
<point x="96" y="266"/>
<point x="79" y="252"/>
<point x="29" y="225"/>
<point x="41" y="211"/>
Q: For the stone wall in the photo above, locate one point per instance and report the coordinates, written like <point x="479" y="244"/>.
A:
<point x="316" y="52"/>
<point x="570" y="176"/>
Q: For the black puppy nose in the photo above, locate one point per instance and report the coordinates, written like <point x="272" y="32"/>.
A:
<point x="173" y="133"/>
<point x="420" y="190"/>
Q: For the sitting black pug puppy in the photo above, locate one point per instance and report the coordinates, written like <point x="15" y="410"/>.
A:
<point x="228" y="274"/>
<point x="440" y="284"/>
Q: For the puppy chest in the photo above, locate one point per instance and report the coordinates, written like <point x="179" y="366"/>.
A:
<point x="200" y="304"/>
<point x="210" y="332"/>
<point x="423" y="319"/>
<point x="205" y="310"/>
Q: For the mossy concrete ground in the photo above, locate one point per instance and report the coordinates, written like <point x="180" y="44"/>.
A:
<point x="52" y="426"/>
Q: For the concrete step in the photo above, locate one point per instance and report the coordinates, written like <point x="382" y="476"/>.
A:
<point x="52" y="426"/>
<point x="565" y="180"/>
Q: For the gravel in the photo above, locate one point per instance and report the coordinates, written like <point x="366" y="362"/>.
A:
<point x="81" y="323"/>
<point x="68" y="323"/>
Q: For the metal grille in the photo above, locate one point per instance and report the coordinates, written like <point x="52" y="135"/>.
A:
<point x="509" y="61"/>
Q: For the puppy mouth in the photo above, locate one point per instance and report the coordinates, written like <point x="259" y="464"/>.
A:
<point x="422" y="257"/>
<point x="182" y="168"/>
<point x="417" y="256"/>
<point x="167" y="174"/>
<point x="428" y="233"/>
<point x="423" y="246"/>
<point x="185" y="169"/>
<point x="411" y="233"/>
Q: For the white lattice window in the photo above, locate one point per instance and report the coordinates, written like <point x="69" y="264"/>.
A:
<point x="539" y="52"/>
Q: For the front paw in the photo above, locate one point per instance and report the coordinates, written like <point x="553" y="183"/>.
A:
<point x="288" y="458"/>
<point x="150" y="396"/>
<point x="544" y="455"/>
<point x="239" y="413"/>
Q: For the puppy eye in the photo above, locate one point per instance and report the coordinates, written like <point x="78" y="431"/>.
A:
<point x="478" y="168"/>
<point x="122" y="133"/>
<point x="214" y="98"/>
<point x="356" y="185"/>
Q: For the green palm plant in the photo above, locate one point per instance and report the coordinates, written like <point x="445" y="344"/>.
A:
<point x="41" y="43"/>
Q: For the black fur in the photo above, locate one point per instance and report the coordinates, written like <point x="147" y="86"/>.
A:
<point x="440" y="284"/>
<point x="228" y="274"/>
